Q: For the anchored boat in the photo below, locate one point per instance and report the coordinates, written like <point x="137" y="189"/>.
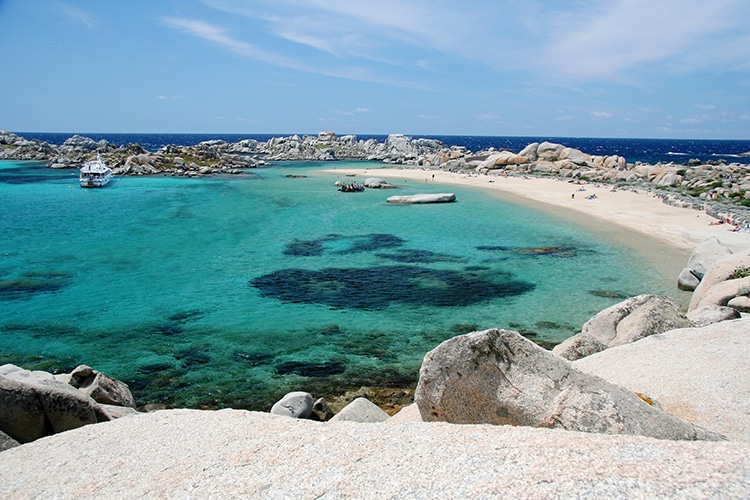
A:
<point x="94" y="174"/>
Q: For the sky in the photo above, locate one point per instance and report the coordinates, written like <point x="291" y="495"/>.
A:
<point x="575" y="68"/>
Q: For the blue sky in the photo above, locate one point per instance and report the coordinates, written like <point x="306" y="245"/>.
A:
<point x="594" y="68"/>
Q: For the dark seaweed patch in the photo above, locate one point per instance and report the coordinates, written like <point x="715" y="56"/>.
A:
<point x="377" y="287"/>
<point x="332" y="243"/>
<point x="193" y="356"/>
<point x="477" y="268"/>
<point x="608" y="294"/>
<point x="493" y="248"/>
<point x="26" y="288"/>
<point x="169" y="329"/>
<point x="154" y="368"/>
<point x="373" y="242"/>
<point x="331" y="330"/>
<point x="311" y="369"/>
<point x="410" y="256"/>
<point x="556" y="251"/>
<point x="310" y="248"/>
<point x="185" y="316"/>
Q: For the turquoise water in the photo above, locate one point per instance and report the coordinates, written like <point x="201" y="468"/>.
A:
<point x="230" y="291"/>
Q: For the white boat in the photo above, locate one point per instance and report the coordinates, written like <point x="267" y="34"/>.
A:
<point x="94" y="174"/>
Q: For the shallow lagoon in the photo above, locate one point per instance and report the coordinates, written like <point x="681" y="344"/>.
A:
<point x="230" y="291"/>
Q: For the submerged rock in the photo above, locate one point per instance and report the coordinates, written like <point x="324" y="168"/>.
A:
<point x="423" y="198"/>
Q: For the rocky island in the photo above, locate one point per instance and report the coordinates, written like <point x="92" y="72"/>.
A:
<point x="721" y="189"/>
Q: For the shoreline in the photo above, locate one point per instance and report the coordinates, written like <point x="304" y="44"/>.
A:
<point x="664" y="234"/>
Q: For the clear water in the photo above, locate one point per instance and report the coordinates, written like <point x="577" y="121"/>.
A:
<point x="230" y="291"/>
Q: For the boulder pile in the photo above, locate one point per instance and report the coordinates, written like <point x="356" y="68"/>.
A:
<point x="35" y="404"/>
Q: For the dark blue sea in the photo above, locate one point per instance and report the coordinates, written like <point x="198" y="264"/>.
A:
<point x="644" y="150"/>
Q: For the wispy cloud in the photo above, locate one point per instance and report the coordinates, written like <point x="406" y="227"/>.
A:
<point x="601" y="115"/>
<point x="582" y="41"/>
<point x="220" y="36"/>
<point x="607" y="40"/>
<point x="76" y="15"/>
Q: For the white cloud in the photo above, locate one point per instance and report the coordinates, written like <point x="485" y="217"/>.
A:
<point x="586" y="40"/>
<point x="76" y="15"/>
<point x="601" y="115"/>
<point x="608" y="39"/>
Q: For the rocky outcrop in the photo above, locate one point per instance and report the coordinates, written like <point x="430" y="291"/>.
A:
<point x="703" y="257"/>
<point x="416" y="199"/>
<point x="29" y="411"/>
<point x="499" y="377"/>
<point x="710" y="186"/>
<point x="695" y="374"/>
<point x="377" y="183"/>
<point x="726" y="280"/>
<point x="100" y="387"/>
<point x="38" y="404"/>
<point x="626" y="322"/>
<point x="241" y="454"/>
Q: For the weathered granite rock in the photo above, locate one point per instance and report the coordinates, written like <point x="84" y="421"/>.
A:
<point x="697" y="374"/>
<point x="712" y="314"/>
<point x="741" y="303"/>
<point x="30" y="410"/>
<point x="720" y="294"/>
<point x="406" y="414"/>
<point x="101" y="387"/>
<point x="117" y="411"/>
<point x="294" y="404"/>
<point x="320" y="411"/>
<point x="628" y="321"/>
<point x="377" y="183"/>
<point x="703" y="257"/>
<point x="423" y="198"/>
<point x="729" y="269"/>
<point x="7" y="442"/>
<point x="361" y="410"/>
<point x="499" y="377"/>
<point x="241" y="454"/>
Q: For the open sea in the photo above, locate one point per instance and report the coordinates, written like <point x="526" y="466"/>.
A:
<point x="231" y="291"/>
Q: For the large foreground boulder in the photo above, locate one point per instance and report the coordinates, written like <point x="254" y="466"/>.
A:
<point x="499" y="377"/>
<point x="698" y="374"/>
<point x="626" y="322"/>
<point x="241" y="454"/>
